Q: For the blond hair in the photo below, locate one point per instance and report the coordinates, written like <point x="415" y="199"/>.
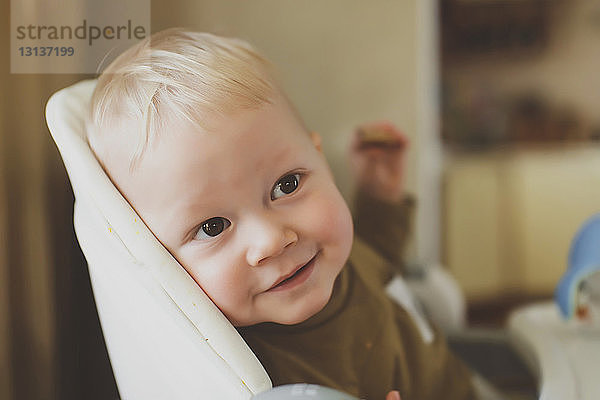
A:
<point x="177" y="75"/>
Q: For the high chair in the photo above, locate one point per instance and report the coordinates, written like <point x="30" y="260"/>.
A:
<point x="165" y="338"/>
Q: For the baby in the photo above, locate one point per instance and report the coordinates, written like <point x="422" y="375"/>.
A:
<point x="197" y="135"/>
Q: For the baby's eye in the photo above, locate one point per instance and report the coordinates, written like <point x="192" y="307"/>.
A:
<point x="285" y="186"/>
<point x="212" y="227"/>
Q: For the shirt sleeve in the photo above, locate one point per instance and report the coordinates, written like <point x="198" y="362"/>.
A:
<point x="384" y="226"/>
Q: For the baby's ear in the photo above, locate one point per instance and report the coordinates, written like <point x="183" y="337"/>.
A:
<point x="316" y="139"/>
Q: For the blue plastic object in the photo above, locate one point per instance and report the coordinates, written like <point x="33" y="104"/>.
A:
<point x="302" y="391"/>
<point x="584" y="260"/>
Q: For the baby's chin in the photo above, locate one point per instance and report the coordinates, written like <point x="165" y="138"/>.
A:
<point x="309" y="309"/>
<point x="285" y="316"/>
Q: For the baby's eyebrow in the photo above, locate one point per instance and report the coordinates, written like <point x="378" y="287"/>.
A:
<point x="283" y="154"/>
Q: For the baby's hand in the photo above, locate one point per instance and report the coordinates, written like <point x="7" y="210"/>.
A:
<point x="377" y="157"/>
<point x="393" y="395"/>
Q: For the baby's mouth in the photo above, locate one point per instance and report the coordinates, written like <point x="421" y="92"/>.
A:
<point x="290" y="280"/>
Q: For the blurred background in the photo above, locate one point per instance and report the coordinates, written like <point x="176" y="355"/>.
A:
<point x="498" y="97"/>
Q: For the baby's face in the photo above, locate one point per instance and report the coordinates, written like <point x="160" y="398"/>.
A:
<point x="250" y="210"/>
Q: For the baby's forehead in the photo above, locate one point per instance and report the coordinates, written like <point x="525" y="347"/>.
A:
<point x="236" y="120"/>
<point x="126" y="147"/>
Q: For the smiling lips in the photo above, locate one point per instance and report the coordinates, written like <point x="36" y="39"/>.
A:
<point x="296" y="277"/>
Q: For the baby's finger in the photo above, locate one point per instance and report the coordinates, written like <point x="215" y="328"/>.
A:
<point x="393" y="395"/>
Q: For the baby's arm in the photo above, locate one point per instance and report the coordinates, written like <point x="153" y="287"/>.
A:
<point x="382" y="212"/>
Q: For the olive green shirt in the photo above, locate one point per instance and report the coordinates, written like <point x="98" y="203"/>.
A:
<point x="361" y="342"/>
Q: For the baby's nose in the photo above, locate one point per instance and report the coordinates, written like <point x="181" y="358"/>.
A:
<point x="268" y="240"/>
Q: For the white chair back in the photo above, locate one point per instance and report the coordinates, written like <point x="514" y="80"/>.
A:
<point x="165" y="338"/>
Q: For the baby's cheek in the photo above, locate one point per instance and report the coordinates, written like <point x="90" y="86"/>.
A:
<point x="333" y="220"/>
<point x="220" y="283"/>
<point x="232" y="286"/>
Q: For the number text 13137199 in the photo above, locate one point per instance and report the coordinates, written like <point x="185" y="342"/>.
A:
<point x="46" y="51"/>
